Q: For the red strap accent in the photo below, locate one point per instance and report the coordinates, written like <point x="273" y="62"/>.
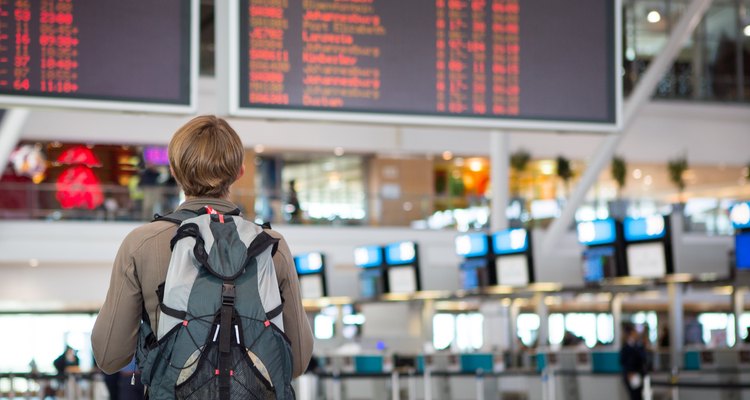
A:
<point x="210" y="210"/>
<point x="216" y="372"/>
<point x="267" y="323"/>
<point x="221" y="218"/>
<point x="231" y="372"/>
<point x="184" y="323"/>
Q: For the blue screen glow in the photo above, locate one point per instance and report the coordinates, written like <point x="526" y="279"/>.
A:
<point x="369" y="283"/>
<point x="472" y="245"/>
<point x="472" y="272"/>
<point x="400" y="253"/>
<point x="368" y="256"/>
<point x="740" y="215"/>
<point x="601" y="231"/>
<point x="308" y="263"/>
<point x="637" y="229"/>
<point x="742" y="250"/>
<point x="598" y="263"/>
<point x="510" y="241"/>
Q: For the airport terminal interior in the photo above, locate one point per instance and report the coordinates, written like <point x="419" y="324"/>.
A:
<point x="484" y="199"/>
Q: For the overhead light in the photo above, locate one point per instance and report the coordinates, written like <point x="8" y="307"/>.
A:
<point x="475" y="164"/>
<point x="447" y="155"/>
<point x="338" y="151"/>
<point x="637" y="173"/>
<point x="746" y="31"/>
<point x="648" y="180"/>
<point x="653" y="16"/>
<point x="259" y="148"/>
<point x="459" y="162"/>
<point x="33" y="263"/>
<point x="547" y="167"/>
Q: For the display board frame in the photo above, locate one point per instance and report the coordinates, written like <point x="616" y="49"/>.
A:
<point x="18" y="100"/>
<point x="228" y="83"/>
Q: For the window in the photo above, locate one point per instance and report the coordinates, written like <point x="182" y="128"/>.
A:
<point x="462" y="332"/>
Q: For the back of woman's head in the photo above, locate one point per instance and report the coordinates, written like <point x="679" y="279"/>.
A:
<point x="206" y="157"/>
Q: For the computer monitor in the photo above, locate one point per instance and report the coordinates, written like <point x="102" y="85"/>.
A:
<point x="642" y="229"/>
<point x="402" y="279"/>
<point x="647" y="260"/>
<point x="370" y="283"/>
<point x="474" y="274"/>
<point x="309" y="263"/>
<point x="742" y="251"/>
<point x="401" y="253"/>
<point x="368" y="256"/>
<point x="599" y="264"/>
<point x="512" y="270"/>
<point x="593" y="233"/>
<point x="510" y="241"/>
<point x="311" y="286"/>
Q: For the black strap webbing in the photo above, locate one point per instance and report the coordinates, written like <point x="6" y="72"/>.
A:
<point x="275" y="312"/>
<point x="172" y="312"/>
<point x="225" y="338"/>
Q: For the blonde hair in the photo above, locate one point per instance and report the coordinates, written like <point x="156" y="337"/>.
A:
<point x="206" y="157"/>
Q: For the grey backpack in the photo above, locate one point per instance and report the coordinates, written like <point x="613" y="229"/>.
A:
<point x="220" y="331"/>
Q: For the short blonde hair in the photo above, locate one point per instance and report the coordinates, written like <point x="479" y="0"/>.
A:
<point x="206" y="157"/>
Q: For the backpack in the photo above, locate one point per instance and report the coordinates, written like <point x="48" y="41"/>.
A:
<point x="220" y="332"/>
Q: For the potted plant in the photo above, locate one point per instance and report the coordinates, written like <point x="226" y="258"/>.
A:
<point x="564" y="172"/>
<point x="676" y="168"/>
<point x="619" y="171"/>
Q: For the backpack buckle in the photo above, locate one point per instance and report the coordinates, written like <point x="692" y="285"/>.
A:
<point x="227" y="294"/>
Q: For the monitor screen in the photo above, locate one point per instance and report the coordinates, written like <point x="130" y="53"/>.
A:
<point x="639" y="229"/>
<point x="311" y="286"/>
<point x="135" y="55"/>
<point x="474" y="273"/>
<point x="370" y="283"/>
<point x="599" y="264"/>
<point x="308" y="263"/>
<point x="512" y="270"/>
<point x="592" y="233"/>
<point x="402" y="280"/>
<point x="469" y="63"/>
<point x="368" y="256"/>
<point x="400" y="253"/>
<point x="472" y="245"/>
<point x="742" y="250"/>
<point x="740" y="215"/>
<point x="647" y="260"/>
<point x="510" y="241"/>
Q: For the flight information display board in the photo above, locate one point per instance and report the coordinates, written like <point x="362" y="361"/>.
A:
<point x="476" y="63"/>
<point x="134" y="55"/>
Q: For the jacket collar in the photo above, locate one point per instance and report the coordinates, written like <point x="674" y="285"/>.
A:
<point x="220" y="205"/>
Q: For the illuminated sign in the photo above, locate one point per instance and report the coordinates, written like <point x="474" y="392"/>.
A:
<point x="740" y="215"/>
<point x="597" y="232"/>
<point x="308" y="263"/>
<point x="368" y="256"/>
<point x="639" y="229"/>
<point x="510" y="241"/>
<point x="472" y="245"/>
<point x="400" y="253"/>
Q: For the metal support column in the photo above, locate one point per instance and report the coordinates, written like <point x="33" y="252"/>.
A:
<point x="10" y="133"/>
<point x="676" y="325"/>
<point x="542" y="312"/>
<point x="738" y="307"/>
<point x="499" y="169"/>
<point x="616" y="307"/>
<point x="640" y="96"/>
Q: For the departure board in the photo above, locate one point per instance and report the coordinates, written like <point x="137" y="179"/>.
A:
<point x="137" y="55"/>
<point x="483" y="63"/>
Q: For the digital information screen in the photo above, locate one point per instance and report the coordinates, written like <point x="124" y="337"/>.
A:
<point x="402" y="280"/>
<point x="475" y="63"/>
<point x="647" y="260"/>
<point x="134" y="55"/>
<point x="512" y="270"/>
<point x="599" y="264"/>
<point x="474" y="273"/>
<point x="311" y="286"/>
<point x="742" y="251"/>
<point x="370" y="283"/>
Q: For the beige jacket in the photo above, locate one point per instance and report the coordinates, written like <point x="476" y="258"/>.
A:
<point x="141" y="265"/>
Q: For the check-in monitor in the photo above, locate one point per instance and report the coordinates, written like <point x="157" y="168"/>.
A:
<point x="402" y="279"/>
<point x="474" y="273"/>
<point x="512" y="270"/>
<point x="599" y="264"/>
<point x="370" y="283"/>
<point x="647" y="260"/>
<point x="742" y="250"/>
<point x="311" y="286"/>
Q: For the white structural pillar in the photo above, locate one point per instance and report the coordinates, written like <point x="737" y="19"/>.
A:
<point x="542" y="312"/>
<point x="738" y="307"/>
<point x="10" y="132"/>
<point x="499" y="168"/>
<point x="616" y="308"/>
<point x="639" y="97"/>
<point x="676" y="325"/>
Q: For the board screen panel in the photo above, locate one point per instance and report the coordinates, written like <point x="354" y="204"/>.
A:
<point x="483" y="63"/>
<point x="136" y="55"/>
<point x="402" y="280"/>
<point x="512" y="270"/>
<point x="647" y="260"/>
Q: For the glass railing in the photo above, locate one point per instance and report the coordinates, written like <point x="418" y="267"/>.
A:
<point x="118" y="203"/>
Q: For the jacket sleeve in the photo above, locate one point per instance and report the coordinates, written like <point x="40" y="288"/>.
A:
<point x="113" y="338"/>
<point x="296" y="325"/>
